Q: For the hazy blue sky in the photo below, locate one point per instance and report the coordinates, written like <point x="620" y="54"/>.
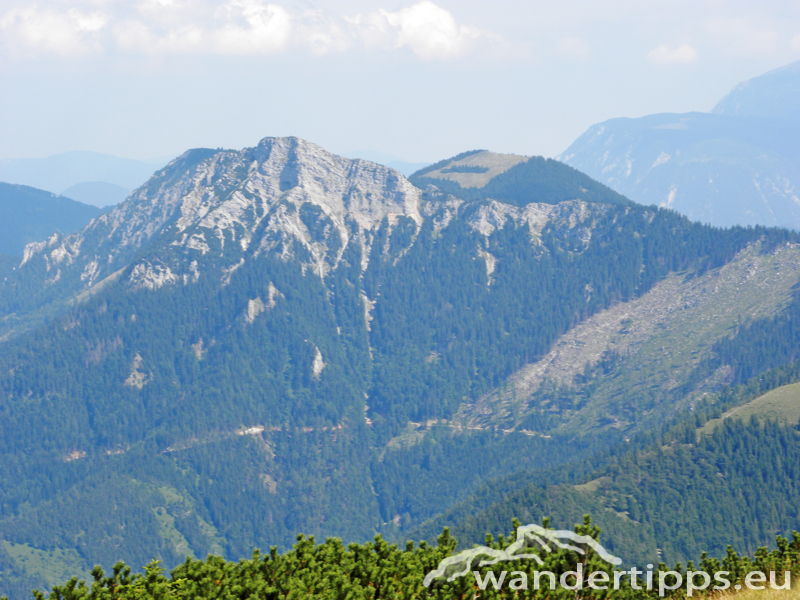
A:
<point x="421" y="80"/>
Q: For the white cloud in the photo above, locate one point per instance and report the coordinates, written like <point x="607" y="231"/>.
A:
<point x="573" y="47"/>
<point x="252" y="28"/>
<point x="134" y="37"/>
<point x="69" y="32"/>
<point x="796" y="42"/>
<point x="429" y="31"/>
<point x="664" y="55"/>
<point x="320" y="33"/>
<point x="237" y="27"/>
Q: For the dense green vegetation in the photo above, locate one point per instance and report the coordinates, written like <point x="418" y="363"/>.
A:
<point x="438" y="334"/>
<point x="7" y="264"/>
<point x="442" y="334"/>
<point x="761" y="346"/>
<point x="667" y="496"/>
<point x="379" y="570"/>
<point x="163" y="463"/>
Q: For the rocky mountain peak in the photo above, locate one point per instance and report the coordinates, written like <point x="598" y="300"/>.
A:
<point x="281" y="193"/>
<point x="210" y="212"/>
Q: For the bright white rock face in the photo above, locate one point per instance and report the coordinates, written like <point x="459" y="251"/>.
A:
<point x="251" y="199"/>
<point x="286" y="198"/>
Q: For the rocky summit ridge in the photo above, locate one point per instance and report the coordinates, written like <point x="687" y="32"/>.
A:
<point x="248" y="199"/>
<point x="285" y="196"/>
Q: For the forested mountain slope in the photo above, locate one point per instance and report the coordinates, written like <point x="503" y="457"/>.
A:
<point x="660" y="501"/>
<point x="635" y="364"/>
<point x="723" y="472"/>
<point x="274" y="340"/>
<point x="514" y="179"/>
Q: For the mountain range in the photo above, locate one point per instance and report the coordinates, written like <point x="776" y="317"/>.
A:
<point x="275" y="340"/>
<point x="775" y="95"/>
<point x="89" y="177"/>
<point x="30" y="215"/>
<point x="735" y="166"/>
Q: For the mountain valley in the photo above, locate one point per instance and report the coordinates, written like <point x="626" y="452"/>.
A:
<point x="277" y="340"/>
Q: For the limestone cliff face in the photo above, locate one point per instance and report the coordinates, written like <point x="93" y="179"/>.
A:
<point x="285" y="197"/>
<point x="264" y="191"/>
<point x="251" y="199"/>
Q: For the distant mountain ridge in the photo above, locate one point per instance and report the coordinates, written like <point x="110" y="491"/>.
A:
<point x="30" y="215"/>
<point x="60" y="172"/>
<point x="97" y="193"/>
<point x="737" y="166"/>
<point x="775" y="95"/>
<point x="714" y="169"/>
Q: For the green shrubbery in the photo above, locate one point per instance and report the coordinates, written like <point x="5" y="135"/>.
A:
<point x="377" y="569"/>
